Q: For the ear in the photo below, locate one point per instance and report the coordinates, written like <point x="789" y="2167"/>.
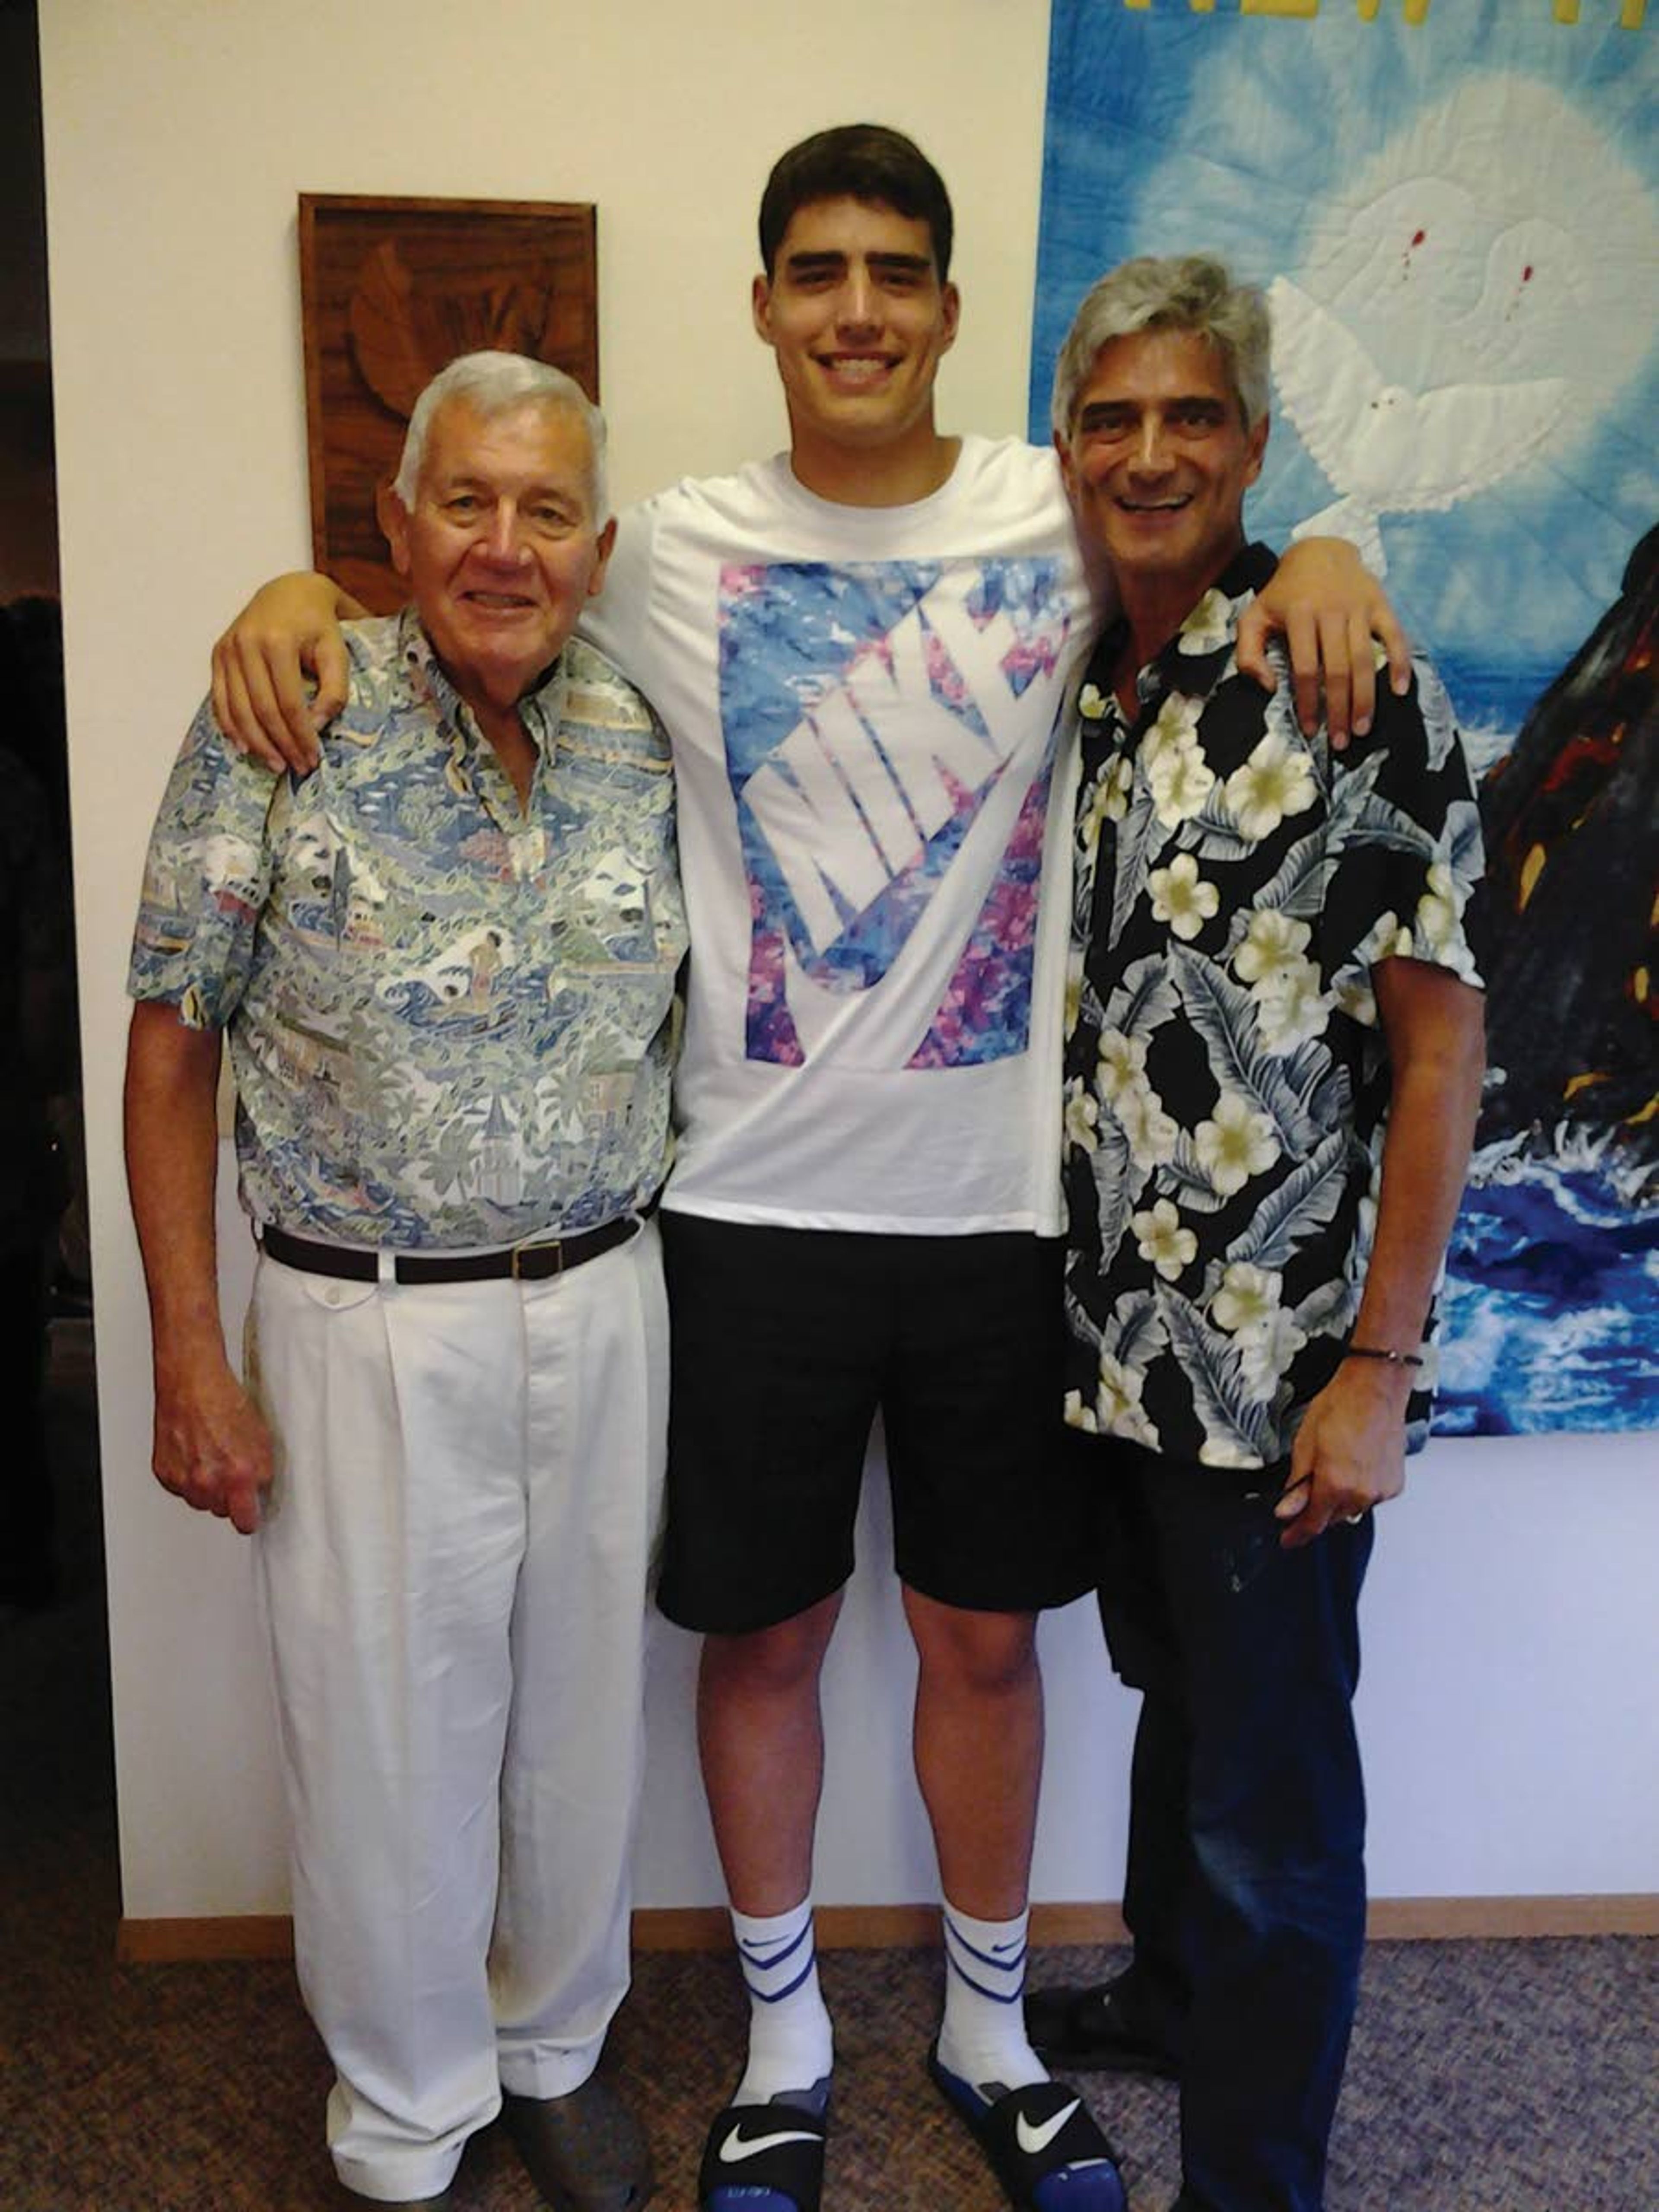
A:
<point x="1067" y="473"/>
<point x="604" y="548"/>
<point x="393" y="518"/>
<point x="760" y="306"/>
<point x="1256" y="447"/>
<point x="951" y="312"/>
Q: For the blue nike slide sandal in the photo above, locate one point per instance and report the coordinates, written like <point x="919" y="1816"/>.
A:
<point x="763" y="2157"/>
<point x="1041" y="2142"/>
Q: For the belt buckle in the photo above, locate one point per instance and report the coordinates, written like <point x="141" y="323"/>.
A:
<point x="529" y="1245"/>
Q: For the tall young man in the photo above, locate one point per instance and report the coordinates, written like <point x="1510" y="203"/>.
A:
<point x="860" y="648"/>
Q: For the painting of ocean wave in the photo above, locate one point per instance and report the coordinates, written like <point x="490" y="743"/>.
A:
<point x="1552" y="1304"/>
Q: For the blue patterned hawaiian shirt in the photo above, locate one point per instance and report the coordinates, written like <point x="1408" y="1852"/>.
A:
<point x="1227" y="1077"/>
<point x="449" y="1016"/>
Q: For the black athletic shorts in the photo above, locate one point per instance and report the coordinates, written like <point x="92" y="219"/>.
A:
<point x="786" y="1342"/>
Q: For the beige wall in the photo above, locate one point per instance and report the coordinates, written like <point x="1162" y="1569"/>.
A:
<point x="1507" y="1606"/>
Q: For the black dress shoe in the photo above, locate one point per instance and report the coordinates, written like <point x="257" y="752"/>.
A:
<point x="347" y="2200"/>
<point x="1099" y="2029"/>
<point x="586" y="2152"/>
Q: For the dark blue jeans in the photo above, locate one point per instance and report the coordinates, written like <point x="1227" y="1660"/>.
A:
<point x="1245" y="1889"/>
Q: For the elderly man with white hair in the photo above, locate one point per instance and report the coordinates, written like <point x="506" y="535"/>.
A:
<point x="445" y="961"/>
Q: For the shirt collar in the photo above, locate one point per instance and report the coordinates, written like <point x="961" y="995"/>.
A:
<point x="541" y="710"/>
<point x="1247" y="572"/>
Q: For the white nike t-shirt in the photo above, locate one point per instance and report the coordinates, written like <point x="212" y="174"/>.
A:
<point x="863" y="703"/>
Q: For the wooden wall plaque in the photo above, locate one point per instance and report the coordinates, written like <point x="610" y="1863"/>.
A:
<point x="389" y="290"/>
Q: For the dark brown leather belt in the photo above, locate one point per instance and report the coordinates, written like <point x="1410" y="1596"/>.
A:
<point x="524" y="1263"/>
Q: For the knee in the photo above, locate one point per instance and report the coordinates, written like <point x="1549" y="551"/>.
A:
<point x="775" y="1662"/>
<point x="986" y="1655"/>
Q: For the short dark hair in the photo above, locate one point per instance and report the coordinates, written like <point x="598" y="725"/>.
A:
<point x="857" y="162"/>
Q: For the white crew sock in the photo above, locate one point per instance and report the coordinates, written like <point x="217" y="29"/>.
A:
<point x="791" y="2048"/>
<point x="983" y="2040"/>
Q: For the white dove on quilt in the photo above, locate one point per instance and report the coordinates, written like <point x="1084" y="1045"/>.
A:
<point x="1388" y="450"/>
<point x="1481" y="286"/>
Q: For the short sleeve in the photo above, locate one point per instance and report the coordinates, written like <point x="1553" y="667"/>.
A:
<point x="207" y="876"/>
<point x="1405" y="848"/>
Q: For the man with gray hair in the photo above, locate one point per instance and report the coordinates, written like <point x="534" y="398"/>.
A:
<point x="446" y="964"/>
<point x="1273" y="1065"/>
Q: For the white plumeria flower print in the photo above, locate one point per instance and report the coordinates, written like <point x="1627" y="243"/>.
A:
<point x="1274" y="782"/>
<point x="1092" y="702"/>
<point x="1209" y="626"/>
<point x="1273" y="942"/>
<point x="1176" y="726"/>
<point x="1122" y="1064"/>
<point x="1248" y="1294"/>
<point x="1163" y="1239"/>
<point x="1266" y="1348"/>
<point x="1437" y="913"/>
<point x="1291" y="1008"/>
<point x="1181" y="897"/>
<point x="1074" y="988"/>
<point x="1117" y="1401"/>
<point x="1238" y="1142"/>
<point x="1119" y="781"/>
<point x="1181" y="779"/>
<point x="1081" y="1117"/>
<point x="1152" y="1132"/>
<point x="1076" y="1414"/>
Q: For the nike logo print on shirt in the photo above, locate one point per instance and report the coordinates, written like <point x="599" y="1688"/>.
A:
<point x="1032" y="2140"/>
<point x="736" y="2147"/>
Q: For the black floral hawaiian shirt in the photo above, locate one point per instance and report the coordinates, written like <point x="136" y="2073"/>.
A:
<point x="1226" y="1077"/>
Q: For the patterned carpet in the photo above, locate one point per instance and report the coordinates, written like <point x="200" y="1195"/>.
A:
<point x="1485" y="2077"/>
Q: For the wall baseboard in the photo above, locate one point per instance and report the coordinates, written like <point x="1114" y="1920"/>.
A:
<point x="895" y="1927"/>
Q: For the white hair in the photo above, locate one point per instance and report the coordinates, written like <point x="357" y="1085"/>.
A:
<point x="1190" y="292"/>
<point x="493" y="384"/>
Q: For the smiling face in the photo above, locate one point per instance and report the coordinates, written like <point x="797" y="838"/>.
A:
<point x="501" y="548"/>
<point x="859" y="321"/>
<point x="1157" y="463"/>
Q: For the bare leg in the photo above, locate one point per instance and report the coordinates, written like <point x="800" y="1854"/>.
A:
<point x="760" y="1732"/>
<point x="979" y="1749"/>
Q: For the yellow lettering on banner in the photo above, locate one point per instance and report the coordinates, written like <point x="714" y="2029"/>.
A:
<point x="1633" y="14"/>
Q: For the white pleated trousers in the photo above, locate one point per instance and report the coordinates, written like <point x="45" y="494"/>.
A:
<point x="453" y="1569"/>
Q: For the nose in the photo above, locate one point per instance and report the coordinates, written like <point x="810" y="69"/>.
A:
<point x="1151" y="455"/>
<point x="504" y="538"/>
<point x="856" y="308"/>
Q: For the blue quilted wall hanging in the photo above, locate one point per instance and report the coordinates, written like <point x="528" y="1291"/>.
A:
<point x="1453" y="208"/>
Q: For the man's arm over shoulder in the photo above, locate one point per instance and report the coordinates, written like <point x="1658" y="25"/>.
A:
<point x="286" y="634"/>
<point x="1329" y="609"/>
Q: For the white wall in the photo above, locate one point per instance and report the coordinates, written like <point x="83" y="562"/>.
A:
<point x="1512" y="1649"/>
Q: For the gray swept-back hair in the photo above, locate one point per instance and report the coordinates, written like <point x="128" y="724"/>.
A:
<point x="494" y="384"/>
<point x="1189" y="292"/>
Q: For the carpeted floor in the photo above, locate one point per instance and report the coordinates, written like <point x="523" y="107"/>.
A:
<point x="1485" y="2077"/>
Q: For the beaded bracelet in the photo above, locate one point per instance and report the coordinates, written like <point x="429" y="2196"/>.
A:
<point x="1378" y="1352"/>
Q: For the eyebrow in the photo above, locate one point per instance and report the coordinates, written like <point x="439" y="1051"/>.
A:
<point x="1097" y="410"/>
<point x="809" y="265"/>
